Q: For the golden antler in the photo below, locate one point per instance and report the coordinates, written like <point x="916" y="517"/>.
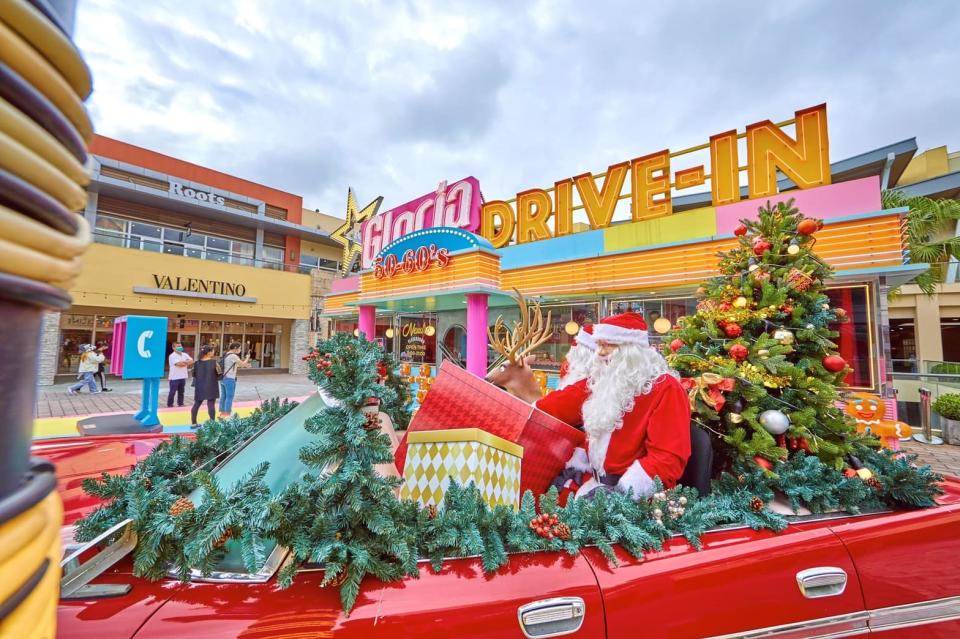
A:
<point x="527" y="334"/>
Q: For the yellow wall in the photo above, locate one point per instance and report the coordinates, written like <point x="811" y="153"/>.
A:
<point x="929" y="164"/>
<point x="110" y="273"/>
<point x="321" y="250"/>
<point x="321" y="220"/>
<point x="926" y="313"/>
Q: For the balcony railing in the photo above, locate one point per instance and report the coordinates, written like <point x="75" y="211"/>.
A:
<point x="154" y="245"/>
<point x="908" y="385"/>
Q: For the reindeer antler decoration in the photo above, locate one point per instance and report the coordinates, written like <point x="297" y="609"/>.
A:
<point x="527" y="334"/>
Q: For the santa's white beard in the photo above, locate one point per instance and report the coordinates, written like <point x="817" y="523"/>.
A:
<point x="580" y="361"/>
<point x="614" y="382"/>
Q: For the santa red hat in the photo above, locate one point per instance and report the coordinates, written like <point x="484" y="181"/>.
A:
<point x="585" y="338"/>
<point x="625" y="328"/>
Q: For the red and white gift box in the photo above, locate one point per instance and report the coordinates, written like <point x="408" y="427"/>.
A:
<point x="459" y="399"/>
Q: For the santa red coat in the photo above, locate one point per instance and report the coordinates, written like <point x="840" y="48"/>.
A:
<point x="654" y="440"/>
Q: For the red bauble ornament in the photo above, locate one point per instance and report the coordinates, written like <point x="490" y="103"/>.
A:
<point x="849" y="472"/>
<point x="761" y="247"/>
<point x="732" y="330"/>
<point x="676" y="345"/>
<point x="807" y="227"/>
<point x="740" y="230"/>
<point x="834" y="363"/>
<point x="763" y="462"/>
<point x="725" y="306"/>
<point x="788" y="310"/>
<point x="739" y="352"/>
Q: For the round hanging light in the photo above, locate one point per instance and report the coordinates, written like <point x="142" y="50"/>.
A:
<point x="571" y="328"/>
<point x="662" y="325"/>
<point x="389" y="333"/>
<point x="356" y="332"/>
<point x="429" y="331"/>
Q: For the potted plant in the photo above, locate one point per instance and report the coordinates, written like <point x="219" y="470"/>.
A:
<point x="948" y="407"/>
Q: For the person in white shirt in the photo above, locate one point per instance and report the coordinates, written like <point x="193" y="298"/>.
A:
<point x="89" y="364"/>
<point x="179" y="364"/>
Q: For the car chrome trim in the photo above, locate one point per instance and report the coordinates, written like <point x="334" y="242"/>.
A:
<point x="859" y="623"/>
<point x="270" y="566"/>
<point x="77" y="576"/>
<point x="551" y="611"/>
<point x="849" y="625"/>
<point x="915" y="614"/>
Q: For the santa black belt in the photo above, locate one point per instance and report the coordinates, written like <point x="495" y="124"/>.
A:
<point x="608" y="479"/>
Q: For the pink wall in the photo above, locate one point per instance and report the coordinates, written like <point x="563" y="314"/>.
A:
<point x="345" y="285"/>
<point x="825" y="202"/>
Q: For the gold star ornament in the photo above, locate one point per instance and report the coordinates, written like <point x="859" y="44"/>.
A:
<point x="348" y="234"/>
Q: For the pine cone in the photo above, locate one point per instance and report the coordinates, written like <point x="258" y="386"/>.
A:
<point x="224" y="538"/>
<point x="432" y="512"/>
<point x="874" y="483"/>
<point x="756" y="504"/>
<point x="147" y="483"/>
<point x="182" y="505"/>
<point x="338" y="580"/>
<point x="373" y="421"/>
<point x="562" y="531"/>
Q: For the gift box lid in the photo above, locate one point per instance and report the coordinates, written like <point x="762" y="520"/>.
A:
<point x="465" y="435"/>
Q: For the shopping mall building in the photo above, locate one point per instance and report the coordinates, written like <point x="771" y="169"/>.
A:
<point x="223" y="258"/>
<point x="639" y="236"/>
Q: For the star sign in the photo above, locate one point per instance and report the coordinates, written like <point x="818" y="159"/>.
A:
<point x="348" y="234"/>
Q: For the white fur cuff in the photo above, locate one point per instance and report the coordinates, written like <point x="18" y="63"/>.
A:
<point x="636" y="480"/>
<point x="619" y="335"/>
<point x="579" y="461"/>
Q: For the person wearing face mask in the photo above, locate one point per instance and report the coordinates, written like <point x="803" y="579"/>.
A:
<point x="179" y="363"/>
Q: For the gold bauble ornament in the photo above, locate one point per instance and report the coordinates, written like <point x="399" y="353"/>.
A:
<point x="740" y="302"/>
<point x="793" y="249"/>
<point x="734" y="418"/>
<point x="763" y="353"/>
<point x="783" y="336"/>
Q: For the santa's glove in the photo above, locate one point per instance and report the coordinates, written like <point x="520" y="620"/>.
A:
<point x="566" y="475"/>
<point x="593" y="492"/>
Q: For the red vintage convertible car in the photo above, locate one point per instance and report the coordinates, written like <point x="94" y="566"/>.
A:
<point x="895" y="574"/>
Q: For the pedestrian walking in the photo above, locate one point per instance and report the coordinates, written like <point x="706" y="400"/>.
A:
<point x="228" y="382"/>
<point x="177" y="377"/>
<point x="90" y="361"/>
<point x="206" y="389"/>
<point x="102" y="348"/>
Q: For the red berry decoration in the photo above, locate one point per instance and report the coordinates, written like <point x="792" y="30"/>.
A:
<point x="763" y="462"/>
<point x="807" y="227"/>
<point x="739" y="352"/>
<point x="676" y="345"/>
<point x="849" y="473"/>
<point x="788" y="310"/>
<point x="834" y="363"/>
<point x="733" y="330"/>
<point x="740" y="231"/>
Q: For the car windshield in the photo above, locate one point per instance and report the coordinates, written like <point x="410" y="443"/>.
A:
<point x="279" y="444"/>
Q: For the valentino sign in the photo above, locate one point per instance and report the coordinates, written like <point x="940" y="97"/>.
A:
<point x="803" y="158"/>
<point x="197" y="285"/>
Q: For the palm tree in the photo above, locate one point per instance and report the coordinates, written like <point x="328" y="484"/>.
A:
<point x="929" y="238"/>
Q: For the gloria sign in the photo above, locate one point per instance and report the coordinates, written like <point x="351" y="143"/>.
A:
<point x="803" y="158"/>
<point x="176" y="188"/>
<point x="456" y="205"/>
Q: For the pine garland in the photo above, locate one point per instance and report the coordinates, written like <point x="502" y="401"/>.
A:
<point x="346" y="517"/>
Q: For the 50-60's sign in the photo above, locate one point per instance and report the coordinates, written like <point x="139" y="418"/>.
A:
<point x="413" y="261"/>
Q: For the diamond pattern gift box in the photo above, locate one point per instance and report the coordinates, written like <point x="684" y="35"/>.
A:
<point x="459" y="399"/>
<point x="464" y="455"/>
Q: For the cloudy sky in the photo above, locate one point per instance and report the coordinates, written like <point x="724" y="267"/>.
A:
<point x="392" y="97"/>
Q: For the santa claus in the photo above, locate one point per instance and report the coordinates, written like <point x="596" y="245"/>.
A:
<point x="632" y="408"/>
<point x="579" y="359"/>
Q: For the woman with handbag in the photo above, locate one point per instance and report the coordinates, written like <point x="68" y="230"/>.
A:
<point x="206" y="384"/>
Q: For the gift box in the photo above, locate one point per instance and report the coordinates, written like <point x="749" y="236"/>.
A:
<point x="459" y="399"/>
<point x="464" y="455"/>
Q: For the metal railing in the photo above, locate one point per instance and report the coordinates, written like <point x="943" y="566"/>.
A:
<point x="915" y="389"/>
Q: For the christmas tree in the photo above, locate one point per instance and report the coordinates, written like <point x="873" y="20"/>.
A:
<point x="763" y="370"/>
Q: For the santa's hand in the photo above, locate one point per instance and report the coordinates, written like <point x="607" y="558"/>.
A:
<point x="593" y="491"/>
<point x="568" y="474"/>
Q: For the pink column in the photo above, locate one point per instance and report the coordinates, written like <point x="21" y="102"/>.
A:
<point x="477" y="334"/>
<point x="368" y="321"/>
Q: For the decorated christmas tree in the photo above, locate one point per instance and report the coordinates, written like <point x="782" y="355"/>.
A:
<point x="762" y="367"/>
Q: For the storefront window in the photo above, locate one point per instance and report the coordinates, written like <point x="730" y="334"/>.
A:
<point x="346" y="325"/>
<point x="111" y="231"/>
<point x="385" y="333"/>
<point x="273" y="257"/>
<point x="903" y="346"/>
<point x="654" y="309"/>
<point x="566" y="321"/>
<point x="950" y="336"/>
<point x="75" y="330"/>
<point x="418" y="339"/>
<point x="855" y="341"/>
<point x="145" y="237"/>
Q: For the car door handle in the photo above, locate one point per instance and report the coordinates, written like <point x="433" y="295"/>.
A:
<point x="823" y="581"/>
<point x="551" y="617"/>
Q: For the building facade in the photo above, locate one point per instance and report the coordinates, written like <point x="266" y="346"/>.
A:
<point x="222" y="258"/>
<point x="647" y="247"/>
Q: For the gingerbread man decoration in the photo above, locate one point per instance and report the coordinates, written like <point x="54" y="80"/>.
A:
<point x="869" y="410"/>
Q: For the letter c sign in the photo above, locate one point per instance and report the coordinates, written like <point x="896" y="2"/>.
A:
<point x="142" y="349"/>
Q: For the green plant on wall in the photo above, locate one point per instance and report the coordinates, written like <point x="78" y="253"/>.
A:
<point x="930" y="237"/>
